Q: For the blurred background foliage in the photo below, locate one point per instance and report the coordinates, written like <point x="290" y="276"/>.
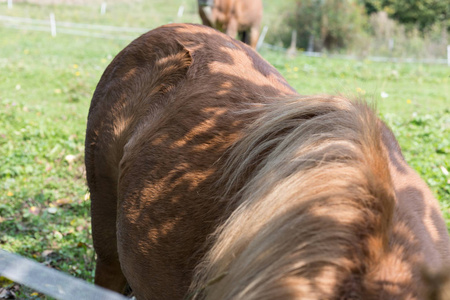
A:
<point x="417" y="29"/>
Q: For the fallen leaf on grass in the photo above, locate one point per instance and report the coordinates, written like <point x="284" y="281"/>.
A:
<point x="52" y="210"/>
<point x="58" y="235"/>
<point x="34" y="210"/>
<point x="70" y="158"/>
<point x="9" y="292"/>
<point x="46" y="253"/>
<point x="82" y="245"/>
<point x="63" y="201"/>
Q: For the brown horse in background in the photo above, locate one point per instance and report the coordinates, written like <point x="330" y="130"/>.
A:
<point x="211" y="178"/>
<point x="233" y="17"/>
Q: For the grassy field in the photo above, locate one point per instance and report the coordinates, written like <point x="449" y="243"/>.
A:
<point x="45" y="88"/>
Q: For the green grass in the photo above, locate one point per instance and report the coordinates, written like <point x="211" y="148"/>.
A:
<point x="45" y="88"/>
<point x="145" y="14"/>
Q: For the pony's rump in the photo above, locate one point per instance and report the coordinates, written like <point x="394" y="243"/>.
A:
<point x="312" y="203"/>
<point x="211" y="178"/>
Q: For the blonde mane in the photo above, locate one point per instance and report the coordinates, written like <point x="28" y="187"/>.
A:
<point x="311" y="201"/>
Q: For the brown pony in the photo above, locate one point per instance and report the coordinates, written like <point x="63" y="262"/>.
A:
<point x="234" y="17"/>
<point x="211" y="178"/>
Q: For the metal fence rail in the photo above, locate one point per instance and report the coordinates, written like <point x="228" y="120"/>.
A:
<point x="80" y="29"/>
<point x="73" y="25"/>
<point x="49" y="281"/>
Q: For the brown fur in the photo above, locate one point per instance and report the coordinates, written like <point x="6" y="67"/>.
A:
<point x="235" y="17"/>
<point x="211" y="177"/>
<point x="437" y="284"/>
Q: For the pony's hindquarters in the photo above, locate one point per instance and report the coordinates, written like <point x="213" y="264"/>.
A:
<point x="196" y="147"/>
<point x="160" y="123"/>
<point x="320" y="215"/>
<point x="129" y="94"/>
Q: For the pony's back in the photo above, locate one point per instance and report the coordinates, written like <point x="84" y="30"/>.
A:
<point x="206" y="169"/>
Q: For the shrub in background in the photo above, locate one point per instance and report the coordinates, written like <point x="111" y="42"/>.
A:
<point x="390" y="38"/>
<point x="420" y="14"/>
<point x="322" y="24"/>
<point x="343" y="26"/>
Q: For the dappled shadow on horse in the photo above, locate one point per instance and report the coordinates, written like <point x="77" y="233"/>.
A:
<point x="211" y="178"/>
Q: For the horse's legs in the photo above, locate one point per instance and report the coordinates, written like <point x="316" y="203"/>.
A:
<point x="254" y="36"/>
<point x="244" y="37"/>
<point x="206" y="15"/>
<point x="108" y="272"/>
<point x="232" y="28"/>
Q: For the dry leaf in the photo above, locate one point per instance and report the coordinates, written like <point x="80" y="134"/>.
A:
<point x="70" y="158"/>
<point x="52" y="210"/>
<point x="46" y="253"/>
<point x="34" y="210"/>
<point x="63" y="201"/>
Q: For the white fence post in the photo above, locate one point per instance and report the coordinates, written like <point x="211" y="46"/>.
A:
<point x="180" y="11"/>
<point x="391" y="44"/>
<point x="448" y="55"/>
<point x="10" y="4"/>
<point x="53" y="24"/>
<point x="262" y="37"/>
<point x="103" y="8"/>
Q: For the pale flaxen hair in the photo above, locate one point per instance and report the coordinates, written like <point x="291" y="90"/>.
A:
<point x="310" y="196"/>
